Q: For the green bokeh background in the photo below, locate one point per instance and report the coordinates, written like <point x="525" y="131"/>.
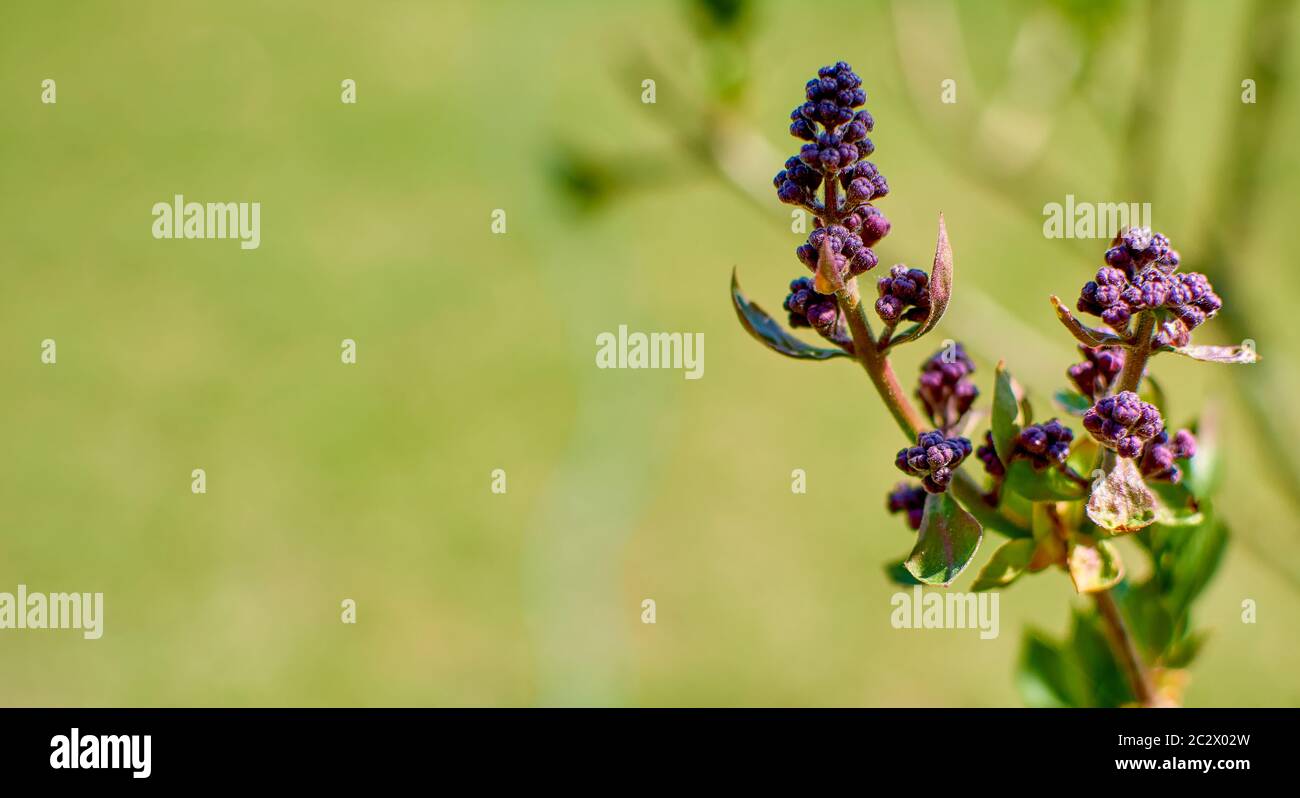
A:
<point x="476" y="351"/>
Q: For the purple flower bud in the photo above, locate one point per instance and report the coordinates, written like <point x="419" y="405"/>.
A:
<point x="1118" y="258"/>
<point x="791" y="193"/>
<point x="874" y="226"/>
<point x="909" y="499"/>
<point x="863" y="261"/>
<point x="861" y="190"/>
<point x="889" y="308"/>
<point x="933" y="459"/>
<point x="1130" y="446"/>
<point x="1034" y="440"/>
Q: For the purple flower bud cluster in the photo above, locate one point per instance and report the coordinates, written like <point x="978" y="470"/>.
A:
<point x="910" y="499"/>
<point x="1158" y="458"/>
<point x="796" y="183"/>
<point x="852" y="255"/>
<point x="988" y="455"/>
<point x="1124" y="423"/>
<point x="1137" y="248"/>
<point x="1044" y="444"/>
<point x="837" y="140"/>
<point x="1191" y="301"/>
<point x="1098" y="371"/>
<point x="808" y="308"/>
<point x="1142" y="274"/>
<point x="933" y="459"/>
<point x="943" y="387"/>
<point x="904" y="294"/>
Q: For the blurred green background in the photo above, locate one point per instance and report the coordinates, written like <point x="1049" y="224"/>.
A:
<point x="476" y="351"/>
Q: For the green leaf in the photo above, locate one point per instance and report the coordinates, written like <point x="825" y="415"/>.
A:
<point x="1006" y="407"/>
<point x="1122" y="502"/>
<point x="771" y="334"/>
<point x="1106" y="684"/>
<point x="1046" y="676"/>
<point x="1006" y="565"/>
<point x="1072" y="402"/>
<point x="1148" y="617"/>
<point x="1197" y="559"/>
<point x="1048" y="485"/>
<point x="940" y="288"/>
<point x="897" y="573"/>
<point x="1094" y="565"/>
<point x="1175" y="505"/>
<point x="1185" y="650"/>
<point x="948" y="540"/>
<point x="1216" y="354"/>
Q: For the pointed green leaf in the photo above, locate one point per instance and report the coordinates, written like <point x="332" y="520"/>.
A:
<point x="948" y="540"/>
<point x="771" y="334"/>
<point x="1006" y="407"/>
<point x="1006" y="565"/>
<point x="1094" y="565"/>
<point x="1122" y="502"/>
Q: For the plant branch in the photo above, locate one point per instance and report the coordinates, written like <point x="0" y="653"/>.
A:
<point x="1135" y="359"/>
<point x="1125" y="650"/>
